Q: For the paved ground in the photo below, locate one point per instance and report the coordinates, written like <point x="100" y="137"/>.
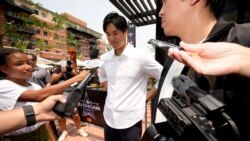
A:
<point x="96" y="132"/>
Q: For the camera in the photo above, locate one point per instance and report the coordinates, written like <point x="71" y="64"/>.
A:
<point x="68" y="67"/>
<point x="197" y="115"/>
<point x="74" y="93"/>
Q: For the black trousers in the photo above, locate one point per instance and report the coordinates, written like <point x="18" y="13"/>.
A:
<point x="132" y="133"/>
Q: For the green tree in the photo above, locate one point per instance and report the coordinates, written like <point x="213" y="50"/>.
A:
<point x="4" y="30"/>
<point x="41" y="44"/>
<point x="20" y="31"/>
<point x="22" y="45"/>
<point x="72" y="41"/>
<point x="108" y="47"/>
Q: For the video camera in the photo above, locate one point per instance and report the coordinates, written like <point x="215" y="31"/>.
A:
<point x="68" y="66"/>
<point x="74" y="93"/>
<point x="197" y="115"/>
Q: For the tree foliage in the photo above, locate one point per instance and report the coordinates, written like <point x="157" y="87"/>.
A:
<point x="22" y="31"/>
<point x="22" y="45"/>
<point x="72" y="41"/>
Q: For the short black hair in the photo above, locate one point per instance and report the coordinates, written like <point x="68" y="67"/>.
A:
<point x="119" y="21"/>
<point x="69" y="62"/>
<point x="94" y="53"/>
<point x="216" y="6"/>
<point x="33" y="55"/>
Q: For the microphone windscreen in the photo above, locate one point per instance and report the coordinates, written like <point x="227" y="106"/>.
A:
<point x="152" y="131"/>
<point x="181" y="83"/>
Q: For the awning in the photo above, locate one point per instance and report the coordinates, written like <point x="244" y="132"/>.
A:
<point x="139" y="12"/>
<point x="41" y="60"/>
<point x="78" y="62"/>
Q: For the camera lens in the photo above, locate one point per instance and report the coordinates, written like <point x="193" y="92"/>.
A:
<point x="68" y="69"/>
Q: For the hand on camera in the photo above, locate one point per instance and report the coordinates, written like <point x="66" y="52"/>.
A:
<point x="63" y="69"/>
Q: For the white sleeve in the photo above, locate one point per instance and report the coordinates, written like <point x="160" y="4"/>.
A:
<point x="102" y="74"/>
<point x="9" y="94"/>
<point x="101" y="71"/>
<point x="152" y="67"/>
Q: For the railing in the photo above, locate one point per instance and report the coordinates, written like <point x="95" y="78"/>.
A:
<point x="17" y="16"/>
<point x="85" y="30"/>
<point x="21" y="6"/>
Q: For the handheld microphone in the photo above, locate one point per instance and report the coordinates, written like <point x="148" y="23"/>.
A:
<point x="154" y="135"/>
<point x="184" y="86"/>
<point x="162" y="44"/>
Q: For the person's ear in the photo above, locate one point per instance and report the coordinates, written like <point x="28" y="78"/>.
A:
<point x="193" y="2"/>
<point x="3" y="69"/>
<point x="125" y="33"/>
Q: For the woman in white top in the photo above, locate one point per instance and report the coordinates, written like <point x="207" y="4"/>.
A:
<point x="16" y="91"/>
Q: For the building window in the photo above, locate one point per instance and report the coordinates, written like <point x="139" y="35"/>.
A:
<point x="56" y="36"/>
<point x="54" y="19"/>
<point x="38" y="31"/>
<point x="45" y="33"/>
<point x="36" y="12"/>
<point x="44" y="15"/>
<point x="46" y="42"/>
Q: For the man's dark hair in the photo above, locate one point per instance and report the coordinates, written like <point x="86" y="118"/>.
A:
<point x="33" y="55"/>
<point x="69" y="62"/>
<point x="94" y="53"/>
<point x="119" y="21"/>
<point x="216" y="6"/>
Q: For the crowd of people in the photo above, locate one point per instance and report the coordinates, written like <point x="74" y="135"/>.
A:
<point x="17" y="91"/>
<point x="214" y="57"/>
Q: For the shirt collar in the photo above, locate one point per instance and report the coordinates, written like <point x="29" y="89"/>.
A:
<point x="36" y="68"/>
<point x="126" y="50"/>
<point x="221" y="27"/>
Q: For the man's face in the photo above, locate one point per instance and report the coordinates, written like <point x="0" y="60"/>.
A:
<point x="116" y="37"/>
<point x="173" y="16"/>
<point x="32" y="61"/>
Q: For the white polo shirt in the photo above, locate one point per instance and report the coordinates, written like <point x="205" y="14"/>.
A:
<point x="127" y="76"/>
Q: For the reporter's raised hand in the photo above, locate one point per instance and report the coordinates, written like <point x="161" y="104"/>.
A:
<point x="43" y="110"/>
<point x="210" y="58"/>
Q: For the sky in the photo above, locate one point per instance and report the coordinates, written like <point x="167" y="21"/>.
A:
<point x="93" y="13"/>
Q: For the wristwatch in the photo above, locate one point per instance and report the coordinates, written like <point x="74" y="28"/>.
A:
<point x="30" y="115"/>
